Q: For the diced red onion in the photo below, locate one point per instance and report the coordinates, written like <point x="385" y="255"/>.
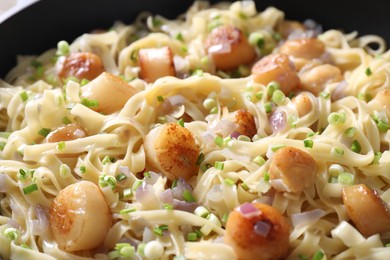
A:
<point x="226" y="127"/>
<point x="215" y="193"/>
<point x="145" y="193"/>
<point x="153" y="178"/>
<point x="3" y="183"/>
<point x="235" y="134"/>
<point x="220" y="48"/>
<point x="248" y="210"/>
<point x="185" y="206"/>
<point x="181" y="186"/>
<point x="277" y="121"/>
<point x="308" y="217"/>
<point x="262" y="228"/>
<point x="166" y="196"/>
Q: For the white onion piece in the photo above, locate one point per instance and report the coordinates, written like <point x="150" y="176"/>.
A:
<point x="277" y="121"/>
<point x="180" y="63"/>
<point x="166" y="196"/>
<point x="215" y="193"/>
<point x="153" y="178"/>
<point x="248" y="210"/>
<point x="148" y="235"/>
<point x="308" y="217"/>
<point x="145" y="195"/>
<point x="262" y="228"/>
<point x="3" y="183"/>
<point x="176" y="100"/>
<point x="220" y="48"/>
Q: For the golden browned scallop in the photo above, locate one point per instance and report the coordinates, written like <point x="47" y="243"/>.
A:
<point x="229" y="48"/>
<point x="288" y="27"/>
<point x="82" y="65"/>
<point x="156" y="63"/>
<point x="367" y="210"/>
<point x="316" y="78"/>
<point x="306" y="48"/>
<point x="110" y="91"/>
<point x="276" y="67"/>
<point x="302" y="103"/>
<point x="245" y="122"/>
<point x="79" y="217"/>
<point x="293" y="167"/>
<point x="66" y="133"/>
<point x="171" y="149"/>
<point x="257" y="231"/>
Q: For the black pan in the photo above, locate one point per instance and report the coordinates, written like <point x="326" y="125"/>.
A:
<point x="41" y="25"/>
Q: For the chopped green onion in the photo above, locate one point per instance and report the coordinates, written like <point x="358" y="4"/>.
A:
<point x="179" y="37"/>
<point x="377" y="156"/>
<point x="271" y="87"/>
<point x="107" y="159"/>
<point x="200" y="159"/>
<point x="44" y="132"/>
<point x="243" y="138"/>
<point x="205" y="60"/>
<point x="89" y="103"/>
<point x="107" y="180"/>
<point x="5" y="135"/>
<point x="197" y="72"/>
<point x="245" y="186"/>
<point x="2" y="145"/>
<point x="229" y="181"/>
<point x="127" y="192"/>
<point x="201" y="211"/>
<point x="156" y="22"/>
<point x="213" y="24"/>
<point x="324" y="95"/>
<point x="308" y="143"/>
<point x="205" y="167"/>
<point x="225" y="217"/>
<point x="167" y="206"/>
<point x="335" y="169"/>
<point x="163" y="227"/>
<point x="128" y="210"/>
<point x="123" y="251"/>
<point x="158" y="231"/>
<point x="277" y="147"/>
<point x="141" y="249"/>
<point x="192" y="236"/>
<point x="277" y="36"/>
<point x="356" y="147"/>
<point x="188" y="197"/>
<point x="259" y="95"/>
<point x="65" y="170"/>
<point x="244" y="71"/>
<point x="35" y="63"/>
<point x="214" y="110"/>
<point x="62" y="48"/>
<point x="136" y="184"/>
<point x="174" y="183"/>
<point x="66" y="120"/>
<point x="24" y="96"/>
<point x="218" y="141"/>
<point x="84" y="82"/>
<point x="350" y="132"/>
<point x="268" y="107"/>
<point x="181" y="122"/>
<point x="134" y="56"/>
<point x="219" y="165"/>
<point x="336" y="118"/>
<point x="256" y="39"/>
<point x="11" y="233"/>
<point x="22" y="175"/>
<point x="303" y="257"/>
<point x="120" y="177"/>
<point x="61" y="146"/>
<point x="209" y="103"/>
<point x="82" y="169"/>
<point x="259" y="160"/>
<point x="383" y="126"/>
<point x="30" y="189"/>
<point x="318" y="255"/>
<point x="160" y="98"/>
<point x="278" y="97"/>
<point x="266" y="176"/>
<point x="368" y="72"/>
<point x="337" y="152"/>
<point x="25" y="246"/>
<point x="147" y="175"/>
<point x="346" y="178"/>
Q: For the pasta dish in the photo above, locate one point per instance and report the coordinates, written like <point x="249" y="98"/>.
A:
<point x="227" y="133"/>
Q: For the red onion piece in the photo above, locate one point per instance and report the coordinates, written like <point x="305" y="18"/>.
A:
<point x="235" y="134"/>
<point x="185" y="206"/>
<point x="177" y="191"/>
<point x="262" y="228"/>
<point x="277" y="121"/>
<point x="249" y="210"/>
<point x="177" y="100"/>
<point x="308" y="217"/>
<point x="145" y="194"/>
<point x="166" y="196"/>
